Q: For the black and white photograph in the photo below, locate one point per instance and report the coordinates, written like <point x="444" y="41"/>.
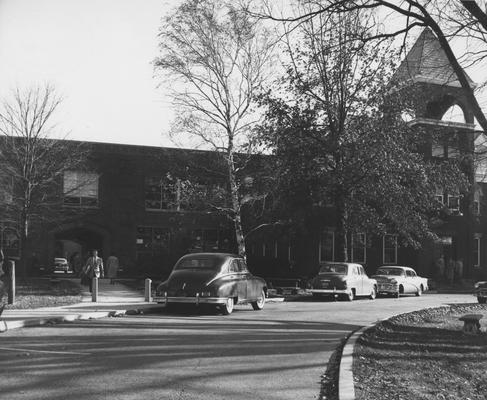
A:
<point x="243" y="199"/>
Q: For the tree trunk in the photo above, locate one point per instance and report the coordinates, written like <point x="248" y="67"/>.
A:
<point x="237" y="218"/>
<point x="341" y="232"/>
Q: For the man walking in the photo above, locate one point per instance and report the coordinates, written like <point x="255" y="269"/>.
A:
<point x="93" y="268"/>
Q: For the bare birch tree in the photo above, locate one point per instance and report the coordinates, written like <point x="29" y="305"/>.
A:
<point x="32" y="162"/>
<point x="216" y="55"/>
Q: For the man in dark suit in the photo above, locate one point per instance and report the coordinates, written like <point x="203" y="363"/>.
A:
<point x="93" y="268"/>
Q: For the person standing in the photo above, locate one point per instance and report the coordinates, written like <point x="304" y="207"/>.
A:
<point x="450" y="271"/>
<point x="93" y="268"/>
<point x="112" y="268"/>
<point x="459" y="271"/>
<point x="440" y="268"/>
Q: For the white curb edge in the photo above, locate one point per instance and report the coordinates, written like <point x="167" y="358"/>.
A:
<point x="346" y="386"/>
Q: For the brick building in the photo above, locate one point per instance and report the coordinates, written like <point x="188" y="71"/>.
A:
<point x="133" y="203"/>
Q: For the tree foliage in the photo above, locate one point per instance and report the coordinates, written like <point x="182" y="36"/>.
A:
<point x="450" y="20"/>
<point x="335" y="130"/>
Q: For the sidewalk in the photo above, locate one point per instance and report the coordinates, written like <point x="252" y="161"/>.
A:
<point x="113" y="300"/>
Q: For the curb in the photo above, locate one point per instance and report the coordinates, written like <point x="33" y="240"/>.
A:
<point x="346" y="386"/>
<point x="34" y="322"/>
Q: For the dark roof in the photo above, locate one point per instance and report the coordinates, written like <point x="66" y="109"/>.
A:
<point x="427" y="62"/>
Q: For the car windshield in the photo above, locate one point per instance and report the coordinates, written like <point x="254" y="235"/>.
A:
<point x="333" y="269"/>
<point x="212" y="263"/>
<point x="390" y="271"/>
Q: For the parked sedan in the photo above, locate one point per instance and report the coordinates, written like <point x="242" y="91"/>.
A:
<point x="481" y="291"/>
<point x="61" y="266"/>
<point x="396" y="280"/>
<point x="346" y="280"/>
<point x="218" y="279"/>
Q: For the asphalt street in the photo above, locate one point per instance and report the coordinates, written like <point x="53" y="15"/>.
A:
<point x="278" y="353"/>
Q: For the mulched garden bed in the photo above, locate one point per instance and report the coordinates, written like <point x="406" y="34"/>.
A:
<point x="423" y="355"/>
<point x="45" y="292"/>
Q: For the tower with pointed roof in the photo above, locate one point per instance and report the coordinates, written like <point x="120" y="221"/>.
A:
<point x="427" y="76"/>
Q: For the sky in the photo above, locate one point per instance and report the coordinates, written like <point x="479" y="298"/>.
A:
<point x="98" y="55"/>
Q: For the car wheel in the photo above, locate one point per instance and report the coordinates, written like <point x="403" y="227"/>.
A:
<point x="227" y="308"/>
<point x="259" y="304"/>
<point x="350" y="296"/>
<point x="396" y="295"/>
<point x="373" y="294"/>
<point x="482" y="300"/>
<point x="419" y="291"/>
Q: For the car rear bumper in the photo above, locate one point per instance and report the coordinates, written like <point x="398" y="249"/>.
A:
<point x="190" y="300"/>
<point x="328" y="291"/>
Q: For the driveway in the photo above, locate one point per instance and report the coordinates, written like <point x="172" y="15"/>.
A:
<point x="278" y="353"/>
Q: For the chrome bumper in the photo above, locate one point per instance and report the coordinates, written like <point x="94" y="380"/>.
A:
<point x="328" y="291"/>
<point x="190" y="300"/>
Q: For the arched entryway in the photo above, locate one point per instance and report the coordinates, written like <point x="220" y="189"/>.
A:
<point x="75" y="242"/>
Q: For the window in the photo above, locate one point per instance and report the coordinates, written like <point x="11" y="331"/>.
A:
<point x="327" y="246"/>
<point x="161" y="193"/>
<point x="9" y="241"/>
<point x="453" y="151"/>
<point x="439" y="197"/>
<point x="476" y="201"/>
<point x="476" y="251"/>
<point x="170" y="193"/>
<point x="454" y="203"/>
<point x="389" y="246"/>
<point x="410" y="274"/>
<point x="437" y="150"/>
<point x="80" y="189"/>
<point x="359" y="247"/>
<point x="152" y="239"/>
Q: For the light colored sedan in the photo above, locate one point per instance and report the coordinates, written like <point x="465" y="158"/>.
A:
<point x="396" y="280"/>
<point x="346" y="280"/>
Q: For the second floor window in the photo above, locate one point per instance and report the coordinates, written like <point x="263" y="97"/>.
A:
<point x="174" y="194"/>
<point x="80" y="189"/>
<point x="161" y="193"/>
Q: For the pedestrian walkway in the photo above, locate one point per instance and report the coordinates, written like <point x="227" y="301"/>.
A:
<point x="116" y="293"/>
<point x="113" y="300"/>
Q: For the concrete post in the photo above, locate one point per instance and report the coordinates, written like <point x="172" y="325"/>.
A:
<point x="11" y="286"/>
<point x="94" y="290"/>
<point x="148" y="290"/>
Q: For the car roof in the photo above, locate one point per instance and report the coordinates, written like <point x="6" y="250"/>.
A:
<point x="395" y="266"/>
<point x="339" y="263"/>
<point x="209" y="255"/>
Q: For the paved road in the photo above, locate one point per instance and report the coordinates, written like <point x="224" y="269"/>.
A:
<point x="278" y="353"/>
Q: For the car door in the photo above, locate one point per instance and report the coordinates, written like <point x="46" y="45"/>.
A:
<point x="356" y="279"/>
<point x="414" y="279"/>
<point x="239" y="277"/>
<point x="366" y="286"/>
<point x="410" y="284"/>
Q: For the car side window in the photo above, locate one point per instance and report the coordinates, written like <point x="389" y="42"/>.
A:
<point x="243" y="266"/>
<point x="409" y="274"/>
<point x="233" y="267"/>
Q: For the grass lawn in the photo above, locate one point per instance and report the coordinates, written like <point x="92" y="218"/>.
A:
<point x="45" y="292"/>
<point x="423" y="355"/>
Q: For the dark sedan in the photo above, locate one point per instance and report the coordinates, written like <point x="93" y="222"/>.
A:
<point x="217" y="279"/>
